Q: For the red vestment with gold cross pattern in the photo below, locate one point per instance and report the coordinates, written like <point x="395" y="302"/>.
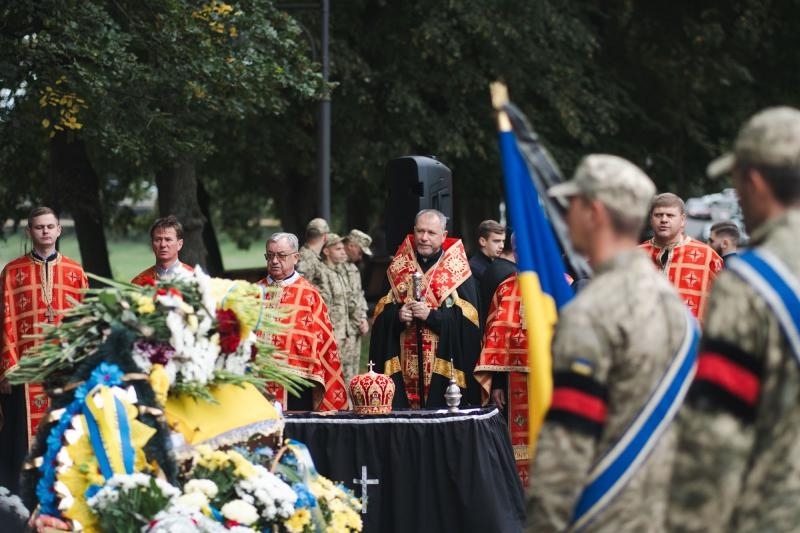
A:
<point x="505" y="349"/>
<point x="307" y="343"/>
<point x="26" y="287"/>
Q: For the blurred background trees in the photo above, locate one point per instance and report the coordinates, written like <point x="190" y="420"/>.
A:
<point x="213" y="104"/>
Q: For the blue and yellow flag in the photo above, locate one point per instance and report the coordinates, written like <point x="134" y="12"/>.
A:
<point x="541" y="272"/>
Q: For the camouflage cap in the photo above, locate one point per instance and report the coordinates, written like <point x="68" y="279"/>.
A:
<point x="770" y="137"/>
<point x="616" y="182"/>
<point x="318" y="224"/>
<point x="332" y="239"/>
<point x="361" y="239"/>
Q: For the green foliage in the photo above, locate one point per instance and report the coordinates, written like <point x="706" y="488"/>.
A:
<point x="665" y="84"/>
<point x="133" y="508"/>
<point x="142" y="82"/>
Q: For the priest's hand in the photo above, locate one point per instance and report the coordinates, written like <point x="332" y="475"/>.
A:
<point x="405" y="314"/>
<point x="499" y="398"/>
<point x="5" y="386"/>
<point x="363" y="328"/>
<point x="420" y="310"/>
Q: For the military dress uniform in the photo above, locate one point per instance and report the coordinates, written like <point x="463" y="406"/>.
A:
<point x="335" y="290"/>
<point x="612" y="346"/>
<point x="738" y="466"/>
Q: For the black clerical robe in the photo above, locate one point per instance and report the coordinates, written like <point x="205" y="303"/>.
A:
<point x="450" y="333"/>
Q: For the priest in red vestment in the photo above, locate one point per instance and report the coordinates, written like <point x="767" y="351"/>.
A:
<point x="36" y="288"/>
<point x="443" y="322"/>
<point x="689" y="264"/>
<point x="502" y="369"/>
<point x="166" y="238"/>
<point x="307" y="341"/>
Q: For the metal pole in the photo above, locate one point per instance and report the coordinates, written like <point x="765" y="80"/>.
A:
<point x="324" y="124"/>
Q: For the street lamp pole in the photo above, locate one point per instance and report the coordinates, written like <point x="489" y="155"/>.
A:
<point x="324" y="111"/>
<point x="324" y="122"/>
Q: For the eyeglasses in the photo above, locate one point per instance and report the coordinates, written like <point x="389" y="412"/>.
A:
<point x="281" y="256"/>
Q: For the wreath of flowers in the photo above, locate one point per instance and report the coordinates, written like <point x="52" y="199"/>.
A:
<point x="197" y="331"/>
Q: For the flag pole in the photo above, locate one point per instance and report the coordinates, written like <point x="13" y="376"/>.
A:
<point x="541" y="314"/>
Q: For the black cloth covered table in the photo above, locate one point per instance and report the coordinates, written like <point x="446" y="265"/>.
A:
<point x="435" y="471"/>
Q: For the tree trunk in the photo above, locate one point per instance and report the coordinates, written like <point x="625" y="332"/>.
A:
<point x="177" y="195"/>
<point x="214" y="262"/>
<point x="75" y="188"/>
<point x="295" y="205"/>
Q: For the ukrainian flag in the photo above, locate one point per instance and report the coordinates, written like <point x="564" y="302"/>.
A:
<point x="541" y="272"/>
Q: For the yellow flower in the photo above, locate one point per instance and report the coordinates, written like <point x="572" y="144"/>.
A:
<point x="144" y="304"/>
<point x="297" y="522"/>
<point x="159" y="381"/>
<point x="45" y="123"/>
<point x="244" y="468"/>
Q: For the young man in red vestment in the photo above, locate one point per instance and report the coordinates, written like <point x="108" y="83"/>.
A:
<point x="689" y="264"/>
<point x="36" y="288"/>
<point x="307" y="341"/>
<point x="502" y="369"/>
<point x="442" y="325"/>
<point x="166" y="238"/>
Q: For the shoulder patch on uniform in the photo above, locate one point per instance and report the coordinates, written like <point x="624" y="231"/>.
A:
<point x="582" y="366"/>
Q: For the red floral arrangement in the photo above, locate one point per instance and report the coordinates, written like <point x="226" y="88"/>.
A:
<point x="229" y="331"/>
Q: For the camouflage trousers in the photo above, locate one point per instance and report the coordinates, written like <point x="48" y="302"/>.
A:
<point x="350" y="355"/>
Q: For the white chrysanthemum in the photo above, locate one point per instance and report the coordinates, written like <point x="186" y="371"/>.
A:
<point x="271" y="495"/>
<point x="172" y="372"/>
<point x="175" y="325"/>
<point x="203" y="486"/>
<point x="240" y="511"/>
<point x="178" y="519"/>
<point x="236" y="363"/>
<point x="204" y="286"/>
<point x="194" y="500"/>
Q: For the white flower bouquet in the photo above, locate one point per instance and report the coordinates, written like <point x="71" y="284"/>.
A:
<point x="193" y="332"/>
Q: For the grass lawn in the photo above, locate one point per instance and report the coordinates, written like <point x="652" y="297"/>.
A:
<point x="129" y="256"/>
<point x="132" y="255"/>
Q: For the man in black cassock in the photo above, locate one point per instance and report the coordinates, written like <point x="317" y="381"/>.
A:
<point x="444" y="323"/>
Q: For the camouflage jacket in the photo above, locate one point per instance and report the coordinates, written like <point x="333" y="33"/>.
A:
<point x="359" y="302"/>
<point x="309" y="265"/>
<point x="335" y="291"/>
<point x="611" y="346"/>
<point x="738" y="464"/>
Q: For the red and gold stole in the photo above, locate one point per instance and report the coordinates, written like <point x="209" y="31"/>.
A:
<point x="438" y="283"/>
<point x="31" y="297"/>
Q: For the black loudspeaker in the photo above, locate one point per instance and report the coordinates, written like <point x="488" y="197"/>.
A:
<point x="415" y="183"/>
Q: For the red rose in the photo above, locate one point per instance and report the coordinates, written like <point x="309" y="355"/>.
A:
<point x="228" y="328"/>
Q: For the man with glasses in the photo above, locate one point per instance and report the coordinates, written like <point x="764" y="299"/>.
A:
<point x="307" y="341"/>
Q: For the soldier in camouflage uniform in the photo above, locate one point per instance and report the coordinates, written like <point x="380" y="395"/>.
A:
<point x="309" y="264"/>
<point x="335" y="291"/>
<point x="612" y="345"/>
<point x="738" y="462"/>
<point x="356" y="244"/>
